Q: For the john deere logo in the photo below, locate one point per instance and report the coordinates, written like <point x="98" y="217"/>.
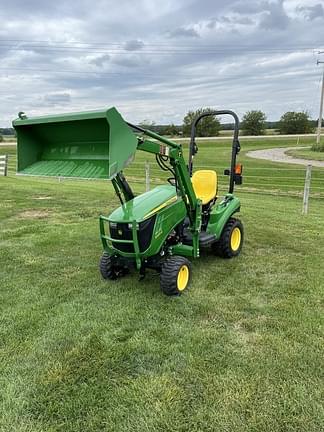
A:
<point x="120" y="232"/>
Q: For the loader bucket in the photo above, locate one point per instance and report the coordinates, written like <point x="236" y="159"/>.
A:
<point x="95" y="144"/>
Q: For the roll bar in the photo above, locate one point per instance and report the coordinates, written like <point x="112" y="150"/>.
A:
<point x="236" y="147"/>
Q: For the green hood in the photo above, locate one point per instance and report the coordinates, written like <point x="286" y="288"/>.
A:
<point x="145" y="205"/>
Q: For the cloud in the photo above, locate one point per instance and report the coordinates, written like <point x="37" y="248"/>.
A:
<point x="275" y="16"/>
<point x="312" y="12"/>
<point x="134" y="45"/>
<point x="248" y="7"/>
<point x="130" y="61"/>
<point x="243" y="20"/>
<point x="57" y="98"/>
<point x="272" y="13"/>
<point x="100" y="60"/>
<point x="230" y="19"/>
<point x="182" y="32"/>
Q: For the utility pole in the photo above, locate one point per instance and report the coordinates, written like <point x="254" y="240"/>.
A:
<point x="319" y="126"/>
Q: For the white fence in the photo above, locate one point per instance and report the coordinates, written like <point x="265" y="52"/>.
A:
<point x="4" y="165"/>
<point x="304" y="182"/>
<point x="285" y="181"/>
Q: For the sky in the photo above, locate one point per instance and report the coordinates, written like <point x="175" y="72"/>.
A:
<point x="156" y="60"/>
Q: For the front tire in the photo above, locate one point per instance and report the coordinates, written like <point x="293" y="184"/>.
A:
<point x="175" y="275"/>
<point x="107" y="268"/>
<point x="231" y="240"/>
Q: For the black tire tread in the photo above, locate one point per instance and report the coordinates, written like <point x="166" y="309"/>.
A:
<point x="169" y="274"/>
<point x="106" y="267"/>
<point x="223" y="248"/>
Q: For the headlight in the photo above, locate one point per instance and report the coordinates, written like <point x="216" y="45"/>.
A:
<point x="130" y="226"/>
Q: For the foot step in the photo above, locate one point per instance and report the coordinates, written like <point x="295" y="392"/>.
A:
<point x="205" y="239"/>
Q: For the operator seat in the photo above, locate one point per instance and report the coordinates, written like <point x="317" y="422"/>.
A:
<point x="204" y="183"/>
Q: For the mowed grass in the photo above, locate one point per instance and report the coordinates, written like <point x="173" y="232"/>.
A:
<point x="306" y="153"/>
<point x="242" y="350"/>
<point x="8" y="138"/>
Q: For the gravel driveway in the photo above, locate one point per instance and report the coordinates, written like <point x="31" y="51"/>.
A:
<point x="278" y="155"/>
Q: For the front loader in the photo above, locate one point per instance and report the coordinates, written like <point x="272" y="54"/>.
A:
<point x="160" y="229"/>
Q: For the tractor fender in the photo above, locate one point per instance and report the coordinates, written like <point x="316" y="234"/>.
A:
<point x="221" y="213"/>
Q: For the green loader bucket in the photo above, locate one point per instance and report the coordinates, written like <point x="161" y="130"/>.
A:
<point x="95" y="144"/>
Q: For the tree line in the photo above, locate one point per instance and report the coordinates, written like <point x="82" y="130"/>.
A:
<point x="6" y="131"/>
<point x="253" y="122"/>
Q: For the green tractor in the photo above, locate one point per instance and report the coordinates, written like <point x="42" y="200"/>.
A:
<point x="159" y="229"/>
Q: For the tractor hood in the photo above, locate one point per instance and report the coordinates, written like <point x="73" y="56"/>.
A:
<point x="94" y="144"/>
<point x="145" y="205"/>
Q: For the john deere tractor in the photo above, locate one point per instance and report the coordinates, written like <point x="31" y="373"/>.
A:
<point x="160" y="229"/>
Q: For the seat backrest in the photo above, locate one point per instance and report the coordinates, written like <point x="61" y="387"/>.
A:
<point x="205" y="185"/>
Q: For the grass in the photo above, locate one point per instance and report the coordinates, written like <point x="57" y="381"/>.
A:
<point x="8" y="138"/>
<point x="306" y="153"/>
<point x="242" y="350"/>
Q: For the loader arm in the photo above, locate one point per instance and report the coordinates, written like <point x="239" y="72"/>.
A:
<point x="165" y="147"/>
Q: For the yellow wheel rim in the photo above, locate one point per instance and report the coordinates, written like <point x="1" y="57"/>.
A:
<point x="236" y="239"/>
<point x="183" y="278"/>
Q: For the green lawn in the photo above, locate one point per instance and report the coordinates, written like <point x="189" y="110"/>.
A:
<point x="242" y="350"/>
<point x="9" y="138"/>
<point x="306" y="153"/>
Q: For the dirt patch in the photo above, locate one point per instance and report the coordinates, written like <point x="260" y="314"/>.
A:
<point x="34" y="214"/>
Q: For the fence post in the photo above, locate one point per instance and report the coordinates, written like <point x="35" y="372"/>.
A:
<point x="147" y="176"/>
<point x="6" y="165"/>
<point x="307" y="188"/>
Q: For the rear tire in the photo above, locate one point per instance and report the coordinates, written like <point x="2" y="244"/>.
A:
<point x="231" y="240"/>
<point x="106" y="267"/>
<point x="175" y="275"/>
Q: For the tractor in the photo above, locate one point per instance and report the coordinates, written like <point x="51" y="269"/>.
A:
<point x="160" y="229"/>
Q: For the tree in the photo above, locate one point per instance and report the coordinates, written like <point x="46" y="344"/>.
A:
<point x="1" y="138"/>
<point x="254" y="123"/>
<point x="147" y="124"/>
<point x="170" y="130"/>
<point x="295" y="123"/>
<point x="208" y="126"/>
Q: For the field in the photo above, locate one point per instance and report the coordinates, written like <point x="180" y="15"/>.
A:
<point x="9" y="138"/>
<point x="267" y="132"/>
<point x="230" y="133"/>
<point x="306" y="153"/>
<point x="242" y="350"/>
